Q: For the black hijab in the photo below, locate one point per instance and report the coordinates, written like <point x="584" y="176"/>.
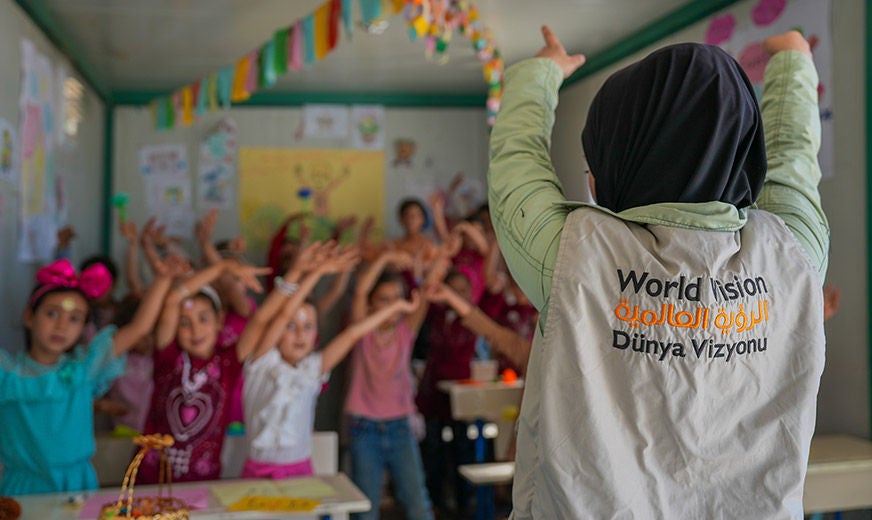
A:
<point x="682" y="125"/>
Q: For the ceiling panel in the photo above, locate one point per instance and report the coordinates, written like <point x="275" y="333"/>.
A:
<point x="159" y="45"/>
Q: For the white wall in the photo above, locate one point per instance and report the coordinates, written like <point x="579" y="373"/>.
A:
<point x="81" y="167"/>
<point x="449" y="140"/>
<point x="844" y="393"/>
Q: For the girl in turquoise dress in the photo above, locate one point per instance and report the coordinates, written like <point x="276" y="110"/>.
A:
<point x="47" y="391"/>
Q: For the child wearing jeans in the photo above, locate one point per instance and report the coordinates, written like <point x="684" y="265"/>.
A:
<point x="381" y="392"/>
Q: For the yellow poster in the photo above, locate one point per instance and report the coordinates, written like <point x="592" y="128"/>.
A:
<point x="325" y="184"/>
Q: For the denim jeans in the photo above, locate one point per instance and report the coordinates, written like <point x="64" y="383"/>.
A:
<point x="379" y="445"/>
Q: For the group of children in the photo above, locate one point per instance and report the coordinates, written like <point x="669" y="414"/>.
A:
<point x="194" y="352"/>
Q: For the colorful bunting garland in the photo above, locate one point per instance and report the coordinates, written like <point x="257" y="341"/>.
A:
<point x="314" y="36"/>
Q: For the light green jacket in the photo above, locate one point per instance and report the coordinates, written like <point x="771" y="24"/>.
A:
<point x="528" y="207"/>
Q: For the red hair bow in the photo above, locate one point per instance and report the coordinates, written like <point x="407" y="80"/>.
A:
<point x="94" y="281"/>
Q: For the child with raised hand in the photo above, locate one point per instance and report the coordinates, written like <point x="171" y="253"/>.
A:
<point x="46" y="392"/>
<point x="194" y="379"/>
<point x="504" y="340"/>
<point x="470" y="259"/>
<point x="128" y="230"/>
<point x="381" y="393"/>
<point x="284" y="375"/>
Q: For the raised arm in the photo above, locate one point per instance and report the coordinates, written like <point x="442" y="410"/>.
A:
<point x="504" y="340"/>
<point x="336" y="350"/>
<point x="791" y="121"/>
<point x="204" y="230"/>
<point x="435" y="274"/>
<point x="336" y="290"/>
<point x="169" y="319"/>
<point x="523" y="190"/>
<point x="151" y="233"/>
<point x="264" y="329"/>
<point x="440" y="224"/>
<point x="366" y="280"/>
<point x="131" y="258"/>
<point x="146" y="315"/>
<point x="475" y="233"/>
<point x="494" y="279"/>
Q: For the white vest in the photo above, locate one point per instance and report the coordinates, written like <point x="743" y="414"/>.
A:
<point x="677" y="376"/>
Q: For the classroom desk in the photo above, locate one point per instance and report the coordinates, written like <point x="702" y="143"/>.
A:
<point x="839" y="474"/>
<point x="478" y="401"/>
<point x="488" y="473"/>
<point x="348" y="499"/>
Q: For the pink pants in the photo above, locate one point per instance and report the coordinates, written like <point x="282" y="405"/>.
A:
<point x="254" y="469"/>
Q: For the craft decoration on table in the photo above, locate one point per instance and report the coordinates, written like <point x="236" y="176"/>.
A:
<point x="10" y="509"/>
<point x="158" y="507"/>
<point x="313" y="37"/>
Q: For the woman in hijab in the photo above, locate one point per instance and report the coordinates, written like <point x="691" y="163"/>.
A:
<point x="679" y="353"/>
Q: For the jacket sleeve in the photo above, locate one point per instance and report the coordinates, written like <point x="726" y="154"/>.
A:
<point x="523" y="189"/>
<point x="791" y="122"/>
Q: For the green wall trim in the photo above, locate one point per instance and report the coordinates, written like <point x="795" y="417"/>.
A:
<point x="868" y="78"/>
<point x="673" y="22"/>
<point x="42" y="17"/>
<point x="108" y="159"/>
<point x="272" y="98"/>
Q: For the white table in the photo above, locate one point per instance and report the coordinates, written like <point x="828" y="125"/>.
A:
<point x="348" y="499"/>
<point x="479" y="402"/>
<point x="488" y="473"/>
<point x="495" y="402"/>
<point x="839" y="474"/>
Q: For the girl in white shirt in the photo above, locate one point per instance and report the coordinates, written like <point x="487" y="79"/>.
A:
<point x="284" y="374"/>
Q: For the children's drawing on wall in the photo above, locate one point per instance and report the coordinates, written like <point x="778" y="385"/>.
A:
<point x="169" y="199"/>
<point x="166" y="159"/>
<point x="217" y="167"/>
<point x="329" y="185"/>
<point x="8" y="152"/>
<point x="164" y="171"/>
<point x="325" y="121"/>
<point x="404" y="152"/>
<point x="743" y="38"/>
<point x="367" y="127"/>
<point x="317" y="182"/>
<point x="465" y="195"/>
<point x="38" y="207"/>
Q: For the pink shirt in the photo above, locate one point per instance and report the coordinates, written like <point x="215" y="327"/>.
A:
<point x="381" y="378"/>
<point x="134" y="389"/>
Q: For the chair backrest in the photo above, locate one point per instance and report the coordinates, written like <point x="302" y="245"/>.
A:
<point x="325" y="453"/>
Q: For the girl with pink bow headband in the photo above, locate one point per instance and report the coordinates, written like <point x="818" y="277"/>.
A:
<point x="47" y="390"/>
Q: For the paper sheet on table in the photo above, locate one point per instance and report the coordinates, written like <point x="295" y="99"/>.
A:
<point x="310" y="487"/>
<point x="195" y="498"/>
<point x="257" y="503"/>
